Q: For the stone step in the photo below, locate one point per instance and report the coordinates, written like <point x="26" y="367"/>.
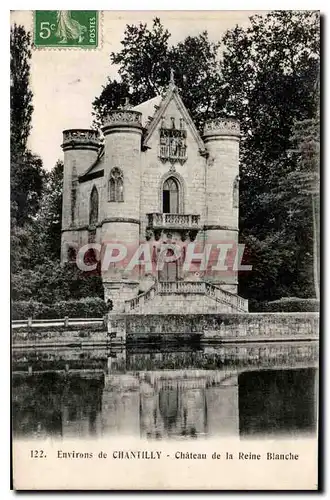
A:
<point x="185" y="297"/>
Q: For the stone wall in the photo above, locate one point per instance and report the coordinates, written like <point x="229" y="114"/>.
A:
<point x="217" y="327"/>
<point x="73" y="335"/>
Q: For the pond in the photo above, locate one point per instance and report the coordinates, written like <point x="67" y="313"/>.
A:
<point x="181" y="392"/>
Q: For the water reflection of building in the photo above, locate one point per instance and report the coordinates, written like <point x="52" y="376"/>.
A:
<point x="167" y="401"/>
<point x="173" y="410"/>
<point x="120" y="406"/>
<point x="184" y="403"/>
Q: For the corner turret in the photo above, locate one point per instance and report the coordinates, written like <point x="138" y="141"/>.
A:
<point x="221" y="137"/>
<point x="122" y="130"/>
<point x="81" y="148"/>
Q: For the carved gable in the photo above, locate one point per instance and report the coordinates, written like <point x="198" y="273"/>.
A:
<point x="171" y="121"/>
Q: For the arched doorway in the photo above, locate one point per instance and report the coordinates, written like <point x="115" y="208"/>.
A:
<point x="171" y="196"/>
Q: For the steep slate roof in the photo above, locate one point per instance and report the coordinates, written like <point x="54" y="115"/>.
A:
<point x="94" y="170"/>
<point x="147" y="108"/>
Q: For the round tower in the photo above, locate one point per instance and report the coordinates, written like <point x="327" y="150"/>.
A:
<point x="221" y="137"/>
<point x="122" y="149"/>
<point x="81" y="147"/>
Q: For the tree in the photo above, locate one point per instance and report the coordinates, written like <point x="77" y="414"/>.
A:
<point x="50" y="282"/>
<point x="304" y="183"/>
<point x="20" y="94"/>
<point x="27" y="174"/>
<point x="49" y="218"/>
<point x="143" y="59"/>
<point x="36" y="202"/>
<point x="269" y="72"/>
<point x="25" y="247"/>
<point x="27" y="183"/>
<point x="145" y="62"/>
<point x="113" y="96"/>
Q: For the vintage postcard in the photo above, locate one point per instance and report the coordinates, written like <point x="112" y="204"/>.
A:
<point x="165" y="249"/>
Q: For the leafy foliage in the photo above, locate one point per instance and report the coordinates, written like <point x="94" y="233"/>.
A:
<point x="27" y="184"/>
<point x="27" y="174"/>
<point x="113" y="96"/>
<point x="145" y="62"/>
<point x="49" y="218"/>
<point x="90" y="307"/>
<point x="36" y="204"/>
<point x="269" y="76"/>
<point x="50" y="282"/>
<point x="20" y="94"/>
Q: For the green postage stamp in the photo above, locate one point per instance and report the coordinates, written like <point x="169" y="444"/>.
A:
<point x="66" y="28"/>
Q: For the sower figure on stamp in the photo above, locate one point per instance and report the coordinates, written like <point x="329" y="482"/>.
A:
<point x="69" y="28"/>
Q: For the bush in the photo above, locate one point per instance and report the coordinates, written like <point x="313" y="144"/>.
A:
<point x="289" y="304"/>
<point x="83" y="308"/>
<point x="52" y="282"/>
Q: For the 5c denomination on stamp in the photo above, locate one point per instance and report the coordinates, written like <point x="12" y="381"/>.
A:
<point x="66" y="28"/>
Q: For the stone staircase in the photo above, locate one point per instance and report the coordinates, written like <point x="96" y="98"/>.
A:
<point x="185" y="297"/>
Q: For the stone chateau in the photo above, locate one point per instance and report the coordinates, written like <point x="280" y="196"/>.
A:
<point x="153" y="178"/>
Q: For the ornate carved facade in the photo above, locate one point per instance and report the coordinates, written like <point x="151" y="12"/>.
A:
<point x="172" y="145"/>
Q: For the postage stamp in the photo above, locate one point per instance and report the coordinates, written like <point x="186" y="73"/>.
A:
<point x="66" y="28"/>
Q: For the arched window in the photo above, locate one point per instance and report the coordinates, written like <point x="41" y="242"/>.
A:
<point x="94" y="207"/>
<point x="171" y="196"/>
<point x="116" y="185"/>
<point x="236" y="192"/>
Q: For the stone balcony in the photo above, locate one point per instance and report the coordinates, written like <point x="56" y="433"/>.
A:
<point x="173" y="221"/>
<point x="185" y="222"/>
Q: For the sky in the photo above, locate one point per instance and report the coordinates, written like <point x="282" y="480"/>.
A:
<point x="65" y="82"/>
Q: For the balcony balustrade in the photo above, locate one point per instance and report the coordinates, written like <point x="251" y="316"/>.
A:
<point x="196" y="287"/>
<point x="174" y="221"/>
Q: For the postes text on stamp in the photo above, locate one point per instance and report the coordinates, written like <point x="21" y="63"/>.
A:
<point x="66" y="28"/>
